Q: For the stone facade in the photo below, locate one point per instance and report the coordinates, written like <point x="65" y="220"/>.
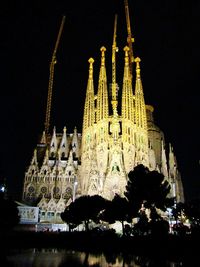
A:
<point x="113" y="141"/>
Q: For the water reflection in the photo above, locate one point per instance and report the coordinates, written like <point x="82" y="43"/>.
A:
<point x="65" y="258"/>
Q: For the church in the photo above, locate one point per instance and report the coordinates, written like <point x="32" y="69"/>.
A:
<point x="118" y="133"/>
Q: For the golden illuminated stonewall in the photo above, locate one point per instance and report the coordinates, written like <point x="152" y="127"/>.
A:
<point x="118" y="133"/>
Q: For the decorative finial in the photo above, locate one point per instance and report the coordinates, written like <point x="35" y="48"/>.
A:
<point x="64" y="129"/>
<point x="35" y="153"/>
<point x="103" y="49"/>
<point x="126" y="49"/>
<point x="137" y="61"/>
<point x="91" y="61"/>
<point x="43" y="139"/>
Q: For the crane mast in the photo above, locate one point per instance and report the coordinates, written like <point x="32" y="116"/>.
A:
<point x="114" y="126"/>
<point x="51" y="76"/>
<point x="130" y="39"/>
<point x="114" y="84"/>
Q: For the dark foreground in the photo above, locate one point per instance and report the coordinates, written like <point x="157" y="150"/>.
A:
<point x="170" y="247"/>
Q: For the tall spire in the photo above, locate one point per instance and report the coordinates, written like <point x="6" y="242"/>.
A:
<point x="89" y="109"/>
<point x="34" y="160"/>
<point x="141" y="118"/>
<point x="53" y="144"/>
<point x="140" y="109"/>
<point x="64" y="148"/>
<point x="43" y="138"/>
<point x="127" y="94"/>
<point x="75" y="144"/>
<point x="102" y="94"/>
<point x="164" y="167"/>
<point x="172" y="163"/>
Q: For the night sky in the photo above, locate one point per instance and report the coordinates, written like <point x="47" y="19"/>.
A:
<point x="166" y="39"/>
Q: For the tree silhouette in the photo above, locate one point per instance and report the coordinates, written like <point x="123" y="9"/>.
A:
<point x="192" y="212"/>
<point x="116" y="210"/>
<point x="9" y="213"/>
<point x="142" y="226"/>
<point x="147" y="189"/>
<point x="84" y="209"/>
<point x="178" y="210"/>
<point x="69" y="216"/>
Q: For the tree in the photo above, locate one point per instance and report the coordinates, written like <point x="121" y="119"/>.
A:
<point x="192" y="212"/>
<point x="69" y="217"/>
<point x="84" y="209"/>
<point x="9" y="213"/>
<point x="142" y="226"/>
<point x="116" y="210"/>
<point x="147" y="189"/>
<point x="178" y="210"/>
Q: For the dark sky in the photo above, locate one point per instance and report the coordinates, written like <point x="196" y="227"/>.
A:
<point x="166" y="39"/>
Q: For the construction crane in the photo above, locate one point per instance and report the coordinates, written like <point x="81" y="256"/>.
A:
<point x="114" y="84"/>
<point x="130" y="39"/>
<point x="51" y="76"/>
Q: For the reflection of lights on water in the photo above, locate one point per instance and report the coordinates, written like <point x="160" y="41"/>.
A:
<point x="53" y="257"/>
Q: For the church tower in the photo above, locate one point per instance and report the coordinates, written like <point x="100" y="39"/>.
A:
<point x="113" y="141"/>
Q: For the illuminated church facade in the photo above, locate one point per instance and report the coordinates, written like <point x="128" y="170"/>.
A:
<point x="117" y="135"/>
